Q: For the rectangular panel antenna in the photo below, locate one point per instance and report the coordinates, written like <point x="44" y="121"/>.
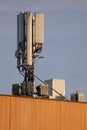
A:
<point x="39" y="28"/>
<point x="29" y="39"/>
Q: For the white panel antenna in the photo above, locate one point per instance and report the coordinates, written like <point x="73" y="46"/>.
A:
<point x="39" y="31"/>
<point x="29" y="38"/>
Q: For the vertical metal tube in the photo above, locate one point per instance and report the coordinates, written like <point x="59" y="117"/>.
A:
<point x="29" y="39"/>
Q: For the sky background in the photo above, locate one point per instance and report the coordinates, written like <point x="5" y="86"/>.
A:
<point x="65" y="42"/>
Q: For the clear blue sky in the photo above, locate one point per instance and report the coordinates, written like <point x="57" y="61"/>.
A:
<point x="65" y="45"/>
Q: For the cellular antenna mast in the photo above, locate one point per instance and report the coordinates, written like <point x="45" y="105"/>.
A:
<point x="30" y="39"/>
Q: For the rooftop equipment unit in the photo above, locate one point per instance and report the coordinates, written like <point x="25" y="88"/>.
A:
<point x="43" y="90"/>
